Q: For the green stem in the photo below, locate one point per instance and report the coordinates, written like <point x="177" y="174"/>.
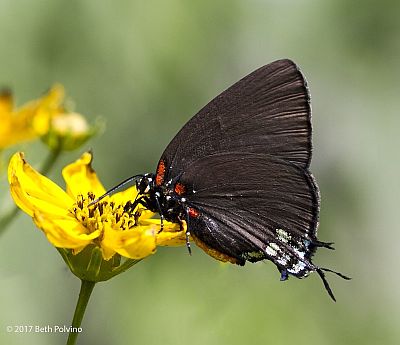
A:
<point x="7" y="219"/>
<point x="84" y="295"/>
<point x="50" y="160"/>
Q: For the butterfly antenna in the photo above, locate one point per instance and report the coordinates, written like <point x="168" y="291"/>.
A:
<point x="325" y="281"/>
<point x="337" y="273"/>
<point x="118" y="186"/>
<point x="328" y="245"/>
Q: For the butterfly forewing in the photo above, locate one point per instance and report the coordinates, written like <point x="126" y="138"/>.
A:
<point x="266" y="112"/>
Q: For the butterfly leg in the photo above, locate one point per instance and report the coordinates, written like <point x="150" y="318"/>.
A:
<point x="184" y="226"/>
<point x="131" y="206"/>
<point x="146" y="202"/>
<point x="143" y="200"/>
<point x="160" y="212"/>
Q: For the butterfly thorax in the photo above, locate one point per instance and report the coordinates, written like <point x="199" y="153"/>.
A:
<point x="161" y="198"/>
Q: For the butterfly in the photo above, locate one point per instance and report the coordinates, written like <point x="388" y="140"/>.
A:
<point x="237" y="176"/>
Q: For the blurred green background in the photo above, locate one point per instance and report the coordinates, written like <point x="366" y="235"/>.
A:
<point x="147" y="67"/>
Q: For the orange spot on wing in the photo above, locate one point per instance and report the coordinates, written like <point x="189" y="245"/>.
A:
<point x="180" y="189"/>
<point x="193" y="212"/>
<point x="160" y="173"/>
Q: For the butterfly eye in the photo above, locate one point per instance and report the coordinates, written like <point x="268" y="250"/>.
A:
<point x="143" y="185"/>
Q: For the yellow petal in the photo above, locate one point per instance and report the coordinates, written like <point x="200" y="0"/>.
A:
<point x="64" y="233"/>
<point x="29" y="121"/>
<point x="171" y="239"/>
<point x="15" y="126"/>
<point x="171" y="235"/>
<point x="80" y="177"/>
<point x="136" y="243"/>
<point x="20" y="197"/>
<point x="33" y="191"/>
<point x="46" y="108"/>
<point x="107" y="252"/>
<point x="147" y="214"/>
<point x="54" y="97"/>
<point x="124" y="196"/>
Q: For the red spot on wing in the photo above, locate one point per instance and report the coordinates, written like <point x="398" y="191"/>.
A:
<point x="160" y="173"/>
<point x="193" y="212"/>
<point x="180" y="189"/>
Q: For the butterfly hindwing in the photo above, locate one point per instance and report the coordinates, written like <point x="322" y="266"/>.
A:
<point x="254" y="204"/>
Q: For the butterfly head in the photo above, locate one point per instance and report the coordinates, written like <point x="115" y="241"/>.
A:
<point x="145" y="184"/>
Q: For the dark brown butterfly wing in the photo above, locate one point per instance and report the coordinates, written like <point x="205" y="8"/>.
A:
<point x="254" y="206"/>
<point x="267" y="111"/>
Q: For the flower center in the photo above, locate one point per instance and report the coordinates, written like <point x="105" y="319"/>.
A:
<point x="94" y="217"/>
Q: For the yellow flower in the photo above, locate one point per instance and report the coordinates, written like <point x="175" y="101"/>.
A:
<point x="29" y="121"/>
<point x="69" y="131"/>
<point x="68" y="222"/>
